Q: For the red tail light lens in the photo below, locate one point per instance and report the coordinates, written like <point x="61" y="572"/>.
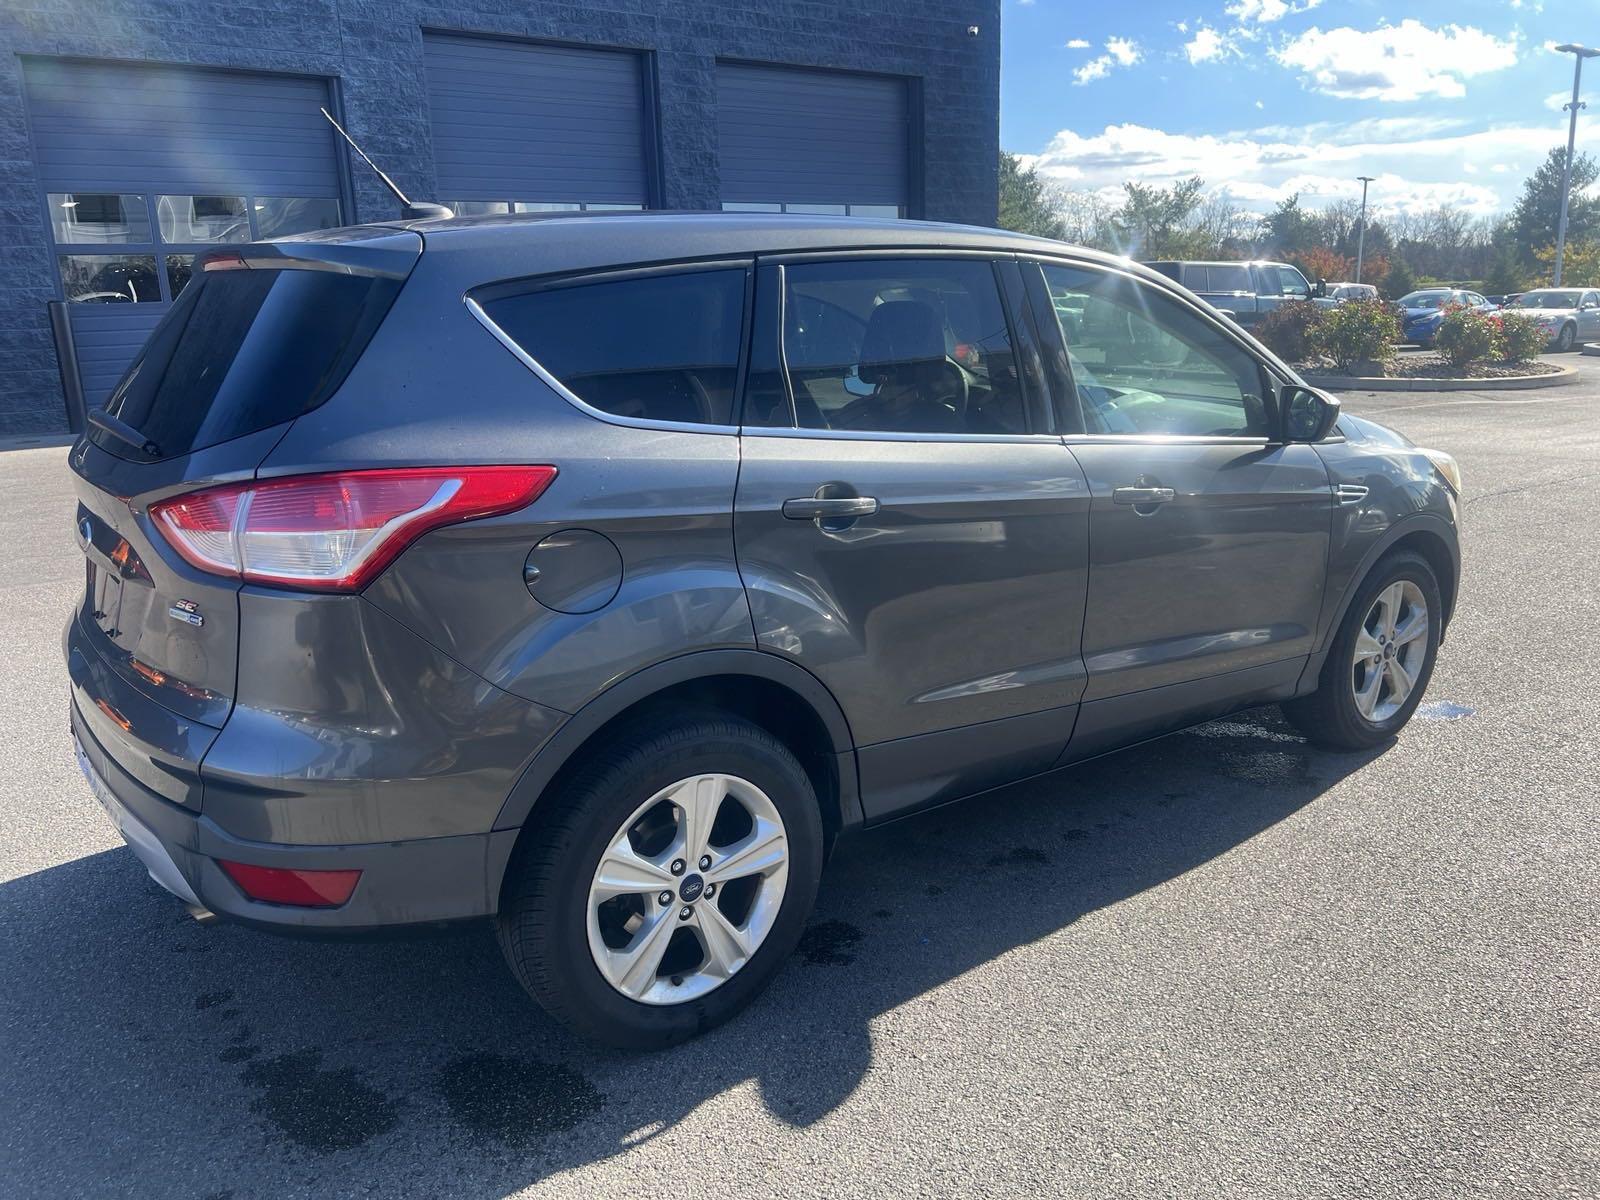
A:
<point x="335" y="532"/>
<point x="283" y="885"/>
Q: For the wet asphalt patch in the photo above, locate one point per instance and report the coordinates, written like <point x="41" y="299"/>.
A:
<point x="322" y="1110"/>
<point x="829" y="943"/>
<point x="516" y="1101"/>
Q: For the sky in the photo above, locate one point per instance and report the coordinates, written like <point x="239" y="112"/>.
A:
<point x="1444" y="102"/>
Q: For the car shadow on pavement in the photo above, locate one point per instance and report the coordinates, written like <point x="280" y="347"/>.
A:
<point x="146" y="1053"/>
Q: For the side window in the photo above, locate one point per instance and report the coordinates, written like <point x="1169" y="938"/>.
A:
<point x="1230" y="279"/>
<point x="1293" y="284"/>
<point x="1591" y="299"/>
<point x="657" y="347"/>
<point x="900" y="346"/>
<point x="1143" y="363"/>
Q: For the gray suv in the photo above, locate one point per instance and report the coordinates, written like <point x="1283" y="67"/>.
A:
<point x="594" y="574"/>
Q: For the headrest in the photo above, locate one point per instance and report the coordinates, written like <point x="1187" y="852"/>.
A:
<point x="900" y="332"/>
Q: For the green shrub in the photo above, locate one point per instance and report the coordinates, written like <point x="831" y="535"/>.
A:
<point x="1291" y="330"/>
<point x="1358" y="331"/>
<point x="1466" y="336"/>
<point x="1520" y="336"/>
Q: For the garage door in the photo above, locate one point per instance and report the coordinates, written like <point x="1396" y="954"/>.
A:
<point x="812" y="141"/>
<point x="519" y="126"/>
<point x="143" y="167"/>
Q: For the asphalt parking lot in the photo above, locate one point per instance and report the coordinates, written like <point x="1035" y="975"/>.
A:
<point x="1223" y="964"/>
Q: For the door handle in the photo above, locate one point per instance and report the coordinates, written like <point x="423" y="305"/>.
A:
<point x="829" y="508"/>
<point x="1141" y="497"/>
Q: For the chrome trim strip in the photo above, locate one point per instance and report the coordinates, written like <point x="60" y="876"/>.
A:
<point x="571" y="397"/>
<point x="870" y="435"/>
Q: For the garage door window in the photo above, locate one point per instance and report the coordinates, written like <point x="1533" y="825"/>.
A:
<point x="815" y="210"/>
<point x="479" y="208"/>
<point x="157" y="237"/>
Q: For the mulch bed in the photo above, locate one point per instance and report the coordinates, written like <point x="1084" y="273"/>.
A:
<point x="1437" y="366"/>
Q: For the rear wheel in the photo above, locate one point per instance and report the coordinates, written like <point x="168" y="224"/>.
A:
<point x="1380" y="661"/>
<point x="665" y="884"/>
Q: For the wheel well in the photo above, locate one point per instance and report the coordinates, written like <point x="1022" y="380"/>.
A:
<point x="781" y="712"/>
<point x="1432" y="547"/>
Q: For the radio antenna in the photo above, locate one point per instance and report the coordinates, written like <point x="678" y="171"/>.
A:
<point x="421" y="208"/>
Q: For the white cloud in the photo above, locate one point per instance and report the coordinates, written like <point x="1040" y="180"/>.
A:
<point x="1125" y="50"/>
<point x="1120" y="52"/>
<point x="1263" y="12"/>
<point x="1407" y="61"/>
<point x="1208" y="45"/>
<point x="1558" y="101"/>
<point x="1095" y="68"/>
<point x="1415" y="168"/>
<point x="1077" y="44"/>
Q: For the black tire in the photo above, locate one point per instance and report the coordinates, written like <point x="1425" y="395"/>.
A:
<point x="1566" y="339"/>
<point x="542" y="923"/>
<point x="1329" y="716"/>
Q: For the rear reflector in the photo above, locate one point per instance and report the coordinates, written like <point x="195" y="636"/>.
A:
<point x="335" y="532"/>
<point x="282" y="885"/>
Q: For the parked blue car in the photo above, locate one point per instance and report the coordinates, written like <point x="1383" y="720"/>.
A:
<point x="1423" y="311"/>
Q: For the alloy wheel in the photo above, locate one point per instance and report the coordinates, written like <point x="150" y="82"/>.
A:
<point x="1391" y="648"/>
<point x="688" y="889"/>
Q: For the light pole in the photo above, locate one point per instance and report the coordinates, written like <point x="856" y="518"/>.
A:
<point x="1361" y="236"/>
<point x="1579" y="53"/>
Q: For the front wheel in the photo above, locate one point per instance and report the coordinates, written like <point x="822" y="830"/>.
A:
<point x="1566" y="338"/>
<point x="1380" y="661"/>
<point x="661" y="888"/>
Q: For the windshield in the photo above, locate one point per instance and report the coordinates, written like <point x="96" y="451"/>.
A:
<point x="1425" y="299"/>
<point x="1562" y="299"/>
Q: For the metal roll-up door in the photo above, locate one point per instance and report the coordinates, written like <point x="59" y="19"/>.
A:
<point x="812" y="141"/>
<point x="529" y="127"/>
<point x="142" y="167"/>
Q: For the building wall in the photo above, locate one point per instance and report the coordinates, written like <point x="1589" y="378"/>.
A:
<point x="374" y="49"/>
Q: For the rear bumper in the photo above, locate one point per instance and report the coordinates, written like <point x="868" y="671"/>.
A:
<point x="418" y="882"/>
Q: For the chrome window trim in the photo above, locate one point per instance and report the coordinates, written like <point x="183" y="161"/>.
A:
<point x="571" y="397"/>
<point x="874" y="435"/>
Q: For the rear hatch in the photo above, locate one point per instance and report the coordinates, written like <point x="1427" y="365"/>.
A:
<point x="261" y="334"/>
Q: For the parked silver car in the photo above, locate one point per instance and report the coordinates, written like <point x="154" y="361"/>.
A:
<point x="1567" y="315"/>
<point x="1341" y="293"/>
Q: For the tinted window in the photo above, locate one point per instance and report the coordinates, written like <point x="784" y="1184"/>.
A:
<point x="1169" y="269"/>
<point x="1293" y="283"/>
<point x="900" y="346"/>
<point x="1145" y="364"/>
<point x="242" y="350"/>
<point x="654" y="347"/>
<point x="1229" y="279"/>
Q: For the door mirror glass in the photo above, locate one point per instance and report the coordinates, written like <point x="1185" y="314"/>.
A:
<point x="1308" y="415"/>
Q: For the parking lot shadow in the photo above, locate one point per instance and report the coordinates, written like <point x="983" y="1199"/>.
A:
<point x="145" y="1054"/>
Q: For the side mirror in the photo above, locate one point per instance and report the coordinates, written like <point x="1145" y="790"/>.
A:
<point x="1306" y="415"/>
<point x="1321" y="289"/>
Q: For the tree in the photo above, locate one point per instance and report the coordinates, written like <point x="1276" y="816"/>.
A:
<point x="1538" y="211"/>
<point x="1289" y="228"/>
<point x="1026" y="203"/>
<point x="1505" y="272"/>
<point x="1155" y="222"/>
<point x="1321" y="263"/>
<point x="1400" y="280"/>
<point x="1580" y="264"/>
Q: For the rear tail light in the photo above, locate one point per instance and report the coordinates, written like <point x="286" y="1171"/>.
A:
<point x="334" y="532"/>
<point x="285" y="885"/>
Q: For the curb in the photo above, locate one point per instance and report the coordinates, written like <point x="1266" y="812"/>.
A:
<point x="1592" y="349"/>
<point x="1508" y="383"/>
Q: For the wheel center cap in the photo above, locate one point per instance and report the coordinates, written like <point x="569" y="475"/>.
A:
<point x="1388" y="651"/>
<point x="691" y="888"/>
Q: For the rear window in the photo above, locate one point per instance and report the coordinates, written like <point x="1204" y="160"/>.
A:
<point x="1230" y="279"/>
<point x="653" y="347"/>
<point x="243" y="350"/>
